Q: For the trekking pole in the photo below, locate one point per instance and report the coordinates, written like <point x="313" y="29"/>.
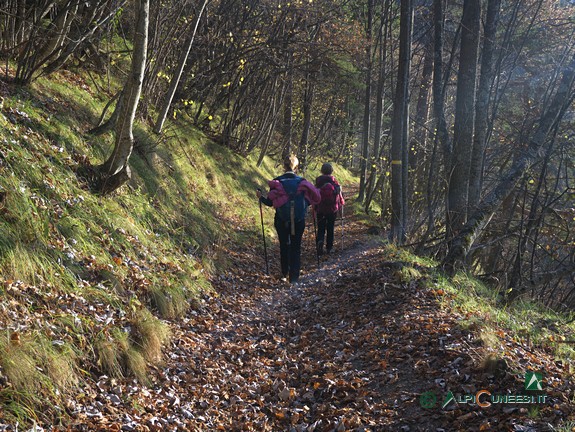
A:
<point x="264" y="238"/>
<point x="342" y="228"/>
<point x="315" y="234"/>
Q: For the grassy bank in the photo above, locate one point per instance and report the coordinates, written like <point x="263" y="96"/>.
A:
<point x="89" y="284"/>
<point x="92" y="285"/>
<point x="503" y="329"/>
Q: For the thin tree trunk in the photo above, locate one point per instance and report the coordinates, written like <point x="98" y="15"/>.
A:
<point x="458" y="186"/>
<point x="419" y="142"/>
<point x="307" y="108"/>
<point x="462" y="242"/>
<point x="367" y="106"/>
<point x="483" y="97"/>
<point x="378" y="107"/>
<point x="116" y="167"/>
<point x="275" y="110"/>
<point x="441" y="132"/>
<point x="103" y="127"/>
<point x="399" y="127"/>
<point x="177" y="76"/>
<point x="288" y="109"/>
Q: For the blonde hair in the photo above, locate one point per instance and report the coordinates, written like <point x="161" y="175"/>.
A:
<point x="291" y="162"/>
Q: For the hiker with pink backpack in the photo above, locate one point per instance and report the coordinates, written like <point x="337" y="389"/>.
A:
<point x="326" y="211"/>
<point x="290" y="195"/>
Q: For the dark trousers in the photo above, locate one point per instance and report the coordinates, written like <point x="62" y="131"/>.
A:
<point x="290" y="248"/>
<point x="325" y="223"/>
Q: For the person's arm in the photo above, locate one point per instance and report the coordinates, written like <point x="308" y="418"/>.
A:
<point x="311" y="193"/>
<point x="266" y="201"/>
<point x="263" y="199"/>
<point x="339" y="192"/>
<point x="336" y="186"/>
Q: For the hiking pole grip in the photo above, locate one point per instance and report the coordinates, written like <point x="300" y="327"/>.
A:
<point x="264" y="238"/>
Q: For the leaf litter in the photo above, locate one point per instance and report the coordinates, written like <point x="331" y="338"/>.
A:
<point x="351" y="348"/>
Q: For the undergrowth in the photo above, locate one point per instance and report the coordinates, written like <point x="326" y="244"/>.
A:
<point x="91" y="284"/>
<point x="480" y="309"/>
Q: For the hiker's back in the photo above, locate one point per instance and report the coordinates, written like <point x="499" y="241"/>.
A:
<point x="294" y="209"/>
<point x="330" y="191"/>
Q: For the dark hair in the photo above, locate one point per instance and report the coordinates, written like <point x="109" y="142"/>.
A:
<point x="326" y="169"/>
<point x="291" y="163"/>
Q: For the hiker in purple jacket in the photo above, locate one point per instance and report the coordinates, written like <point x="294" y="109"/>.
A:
<point x="290" y="195"/>
<point x="326" y="210"/>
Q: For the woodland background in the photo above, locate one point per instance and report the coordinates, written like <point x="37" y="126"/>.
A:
<point x="456" y="116"/>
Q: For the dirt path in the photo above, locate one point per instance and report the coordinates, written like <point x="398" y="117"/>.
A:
<point x="351" y="348"/>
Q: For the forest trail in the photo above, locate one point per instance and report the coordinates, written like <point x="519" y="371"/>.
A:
<point x="349" y="349"/>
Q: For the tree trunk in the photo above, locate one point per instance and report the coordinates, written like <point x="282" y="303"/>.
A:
<point x="380" y="94"/>
<point x="367" y="106"/>
<point x="124" y="143"/>
<point x="177" y="76"/>
<point x="462" y="242"/>
<point x="288" y="110"/>
<point x="482" y="104"/>
<point x="400" y="124"/>
<point x="442" y="138"/>
<point x="458" y="185"/>
<point x="307" y="108"/>
<point x="419" y="142"/>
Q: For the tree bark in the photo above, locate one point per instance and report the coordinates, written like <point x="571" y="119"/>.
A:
<point x="399" y="128"/>
<point x="367" y="106"/>
<point x="124" y="143"/>
<point x="458" y="185"/>
<point x="533" y="153"/>
<point x="482" y="104"/>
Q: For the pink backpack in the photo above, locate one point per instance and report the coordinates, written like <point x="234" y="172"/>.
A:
<point x="329" y="202"/>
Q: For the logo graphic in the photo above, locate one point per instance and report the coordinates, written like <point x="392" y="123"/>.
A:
<point x="448" y="399"/>
<point x="483" y="398"/>
<point x="427" y="399"/>
<point x="533" y="381"/>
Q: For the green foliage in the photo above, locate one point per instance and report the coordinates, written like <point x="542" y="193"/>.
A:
<point x="479" y="308"/>
<point x="567" y="426"/>
<point x="147" y="250"/>
<point x="37" y="368"/>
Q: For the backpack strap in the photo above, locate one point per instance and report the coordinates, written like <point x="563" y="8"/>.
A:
<point x="292" y="216"/>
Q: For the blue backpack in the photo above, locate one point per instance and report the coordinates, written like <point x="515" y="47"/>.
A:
<point x="295" y="208"/>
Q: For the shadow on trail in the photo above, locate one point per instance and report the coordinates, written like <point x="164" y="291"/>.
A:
<point x="349" y="339"/>
<point x="351" y="348"/>
<point x="360" y="347"/>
